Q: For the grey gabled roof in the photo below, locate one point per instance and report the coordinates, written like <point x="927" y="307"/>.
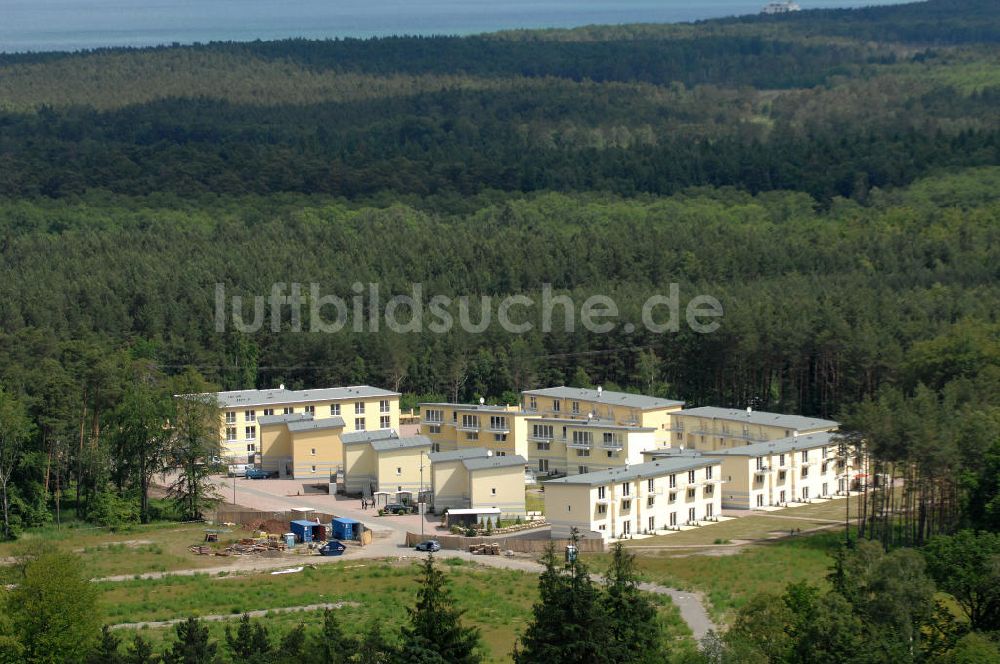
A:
<point x="355" y="437"/>
<point x="483" y="463"/>
<point x="780" y="446"/>
<point x="596" y="423"/>
<point x="482" y="408"/>
<point x="400" y="443"/>
<point x="458" y="455"/>
<point x="639" y="401"/>
<point x="322" y="423"/>
<point x="793" y="422"/>
<point x="266" y="420"/>
<point x="251" y="398"/>
<point x="637" y="471"/>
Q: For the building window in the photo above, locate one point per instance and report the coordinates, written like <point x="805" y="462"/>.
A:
<point x="309" y="410"/>
<point x="781" y="460"/>
<point x="314" y="469"/>
<point x="569" y="508"/>
<point x="673" y="481"/>
<point x="708" y="473"/>
<point x="470" y="421"/>
<point x="582" y="438"/>
<point x="690" y="476"/>
<point x="251" y="448"/>
<point x="626" y="505"/>
<point x="543" y="465"/>
<point x="543" y="446"/>
<point x="434" y="415"/>
<point x="602" y="509"/>
<point x="399" y="470"/>
<point x="805" y="471"/>
<point x="576" y="407"/>
<point x="709" y="490"/>
<point x="312" y="451"/>
<point x="825" y="491"/>
<point x="781" y="497"/>
<point x="268" y="412"/>
<point x="499" y="438"/>
<point x="781" y="475"/>
<point x="498" y="423"/>
<point x="231" y="417"/>
<point x="672" y="497"/>
<point x="249" y="416"/>
<point x="709" y="511"/>
<point x="288" y="410"/>
<point x="691" y="514"/>
<point x="334" y="409"/>
<point x="805" y="456"/>
<point x="556" y="406"/>
<point x="359" y="424"/>
<point x="625" y="488"/>
<point x="690" y="493"/>
<point x="472" y="435"/>
<point x="383" y="406"/>
<point x="435" y="447"/>
<point x="542" y="431"/>
<point x="359" y="407"/>
<point x="805" y="493"/>
<point x="652" y="524"/>
<point x="251" y="433"/>
<point x="434" y="428"/>
<point x="493" y="491"/>
<point x="384" y="422"/>
<point x="230" y="433"/>
<point x="760" y="500"/>
<point x="650" y="500"/>
<point x="673" y="518"/>
<point x="612" y="439"/>
<point x="583" y="470"/>
<point x="650" y="485"/>
<point x="532" y="403"/>
<point x="601" y="493"/>
<point x="583" y="453"/>
<point x="760" y="463"/>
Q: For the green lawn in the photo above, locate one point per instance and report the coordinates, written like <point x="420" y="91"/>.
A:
<point x="534" y="500"/>
<point x="497" y="601"/>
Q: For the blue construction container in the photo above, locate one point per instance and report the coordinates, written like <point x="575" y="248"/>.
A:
<point x="345" y="529"/>
<point x="303" y="530"/>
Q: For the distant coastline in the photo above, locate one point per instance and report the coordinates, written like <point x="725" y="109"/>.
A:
<point x="71" y="25"/>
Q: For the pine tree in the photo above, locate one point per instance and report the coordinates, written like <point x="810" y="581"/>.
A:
<point x="436" y="625"/>
<point x="250" y="643"/>
<point x="108" y="649"/>
<point x="374" y="648"/>
<point x="140" y="652"/>
<point x="331" y="645"/>
<point x="293" y="644"/>
<point x="635" y="633"/>
<point x="192" y="645"/>
<point x="569" y="624"/>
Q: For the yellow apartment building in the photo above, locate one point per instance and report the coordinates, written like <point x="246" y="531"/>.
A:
<point x="454" y="426"/>
<point x="576" y="447"/>
<point x="711" y="428"/>
<point x="301" y="446"/>
<point x="637" y="499"/>
<point x="614" y="407"/>
<point x="475" y="479"/>
<point x="361" y="407"/>
<point x="383" y="463"/>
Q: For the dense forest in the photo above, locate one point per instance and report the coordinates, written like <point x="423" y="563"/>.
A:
<point x="831" y="177"/>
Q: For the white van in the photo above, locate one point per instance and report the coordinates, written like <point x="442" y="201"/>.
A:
<point x="238" y="469"/>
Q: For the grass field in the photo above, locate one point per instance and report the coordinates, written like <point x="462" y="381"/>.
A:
<point x="151" y="548"/>
<point x="534" y="500"/>
<point x="497" y="601"/>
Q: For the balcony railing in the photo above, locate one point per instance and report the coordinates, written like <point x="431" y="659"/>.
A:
<point x="613" y="445"/>
<point x="580" y="445"/>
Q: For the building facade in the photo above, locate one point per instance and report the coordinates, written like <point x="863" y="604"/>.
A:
<point x="382" y="462"/>
<point x="476" y="479"/>
<point x="619" y="408"/>
<point x="576" y="447"/>
<point x="454" y="426"/>
<point x="645" y="498"/>
<point x="361" y="407"/>
<point x="300" y="446"/>
<point x="711" y="428"/>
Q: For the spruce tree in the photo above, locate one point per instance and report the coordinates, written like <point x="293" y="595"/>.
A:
<point x="108" y="649"/>
<point x="331" y="645"/>
<point x="569" y="624"/>
<point x="436" y="627"/>
<point x="140" y="652"/>
<point x="374" y="648"/>
<point x="192" y="645"/>
<point x="635" y="632"/>
<point x="250" y="643"/>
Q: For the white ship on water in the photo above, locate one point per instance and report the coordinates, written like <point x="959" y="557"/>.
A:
<point x="780" y="8"/>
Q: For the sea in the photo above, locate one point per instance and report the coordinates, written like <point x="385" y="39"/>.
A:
<point x="70" y="25"/>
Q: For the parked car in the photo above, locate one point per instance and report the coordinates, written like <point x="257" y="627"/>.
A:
<point x="238" y="470"/>
<point x="332" y="548"/>
<point x="257" y="474"/>
<point x="397" y="508"/>
<point x="428" y="545"/>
